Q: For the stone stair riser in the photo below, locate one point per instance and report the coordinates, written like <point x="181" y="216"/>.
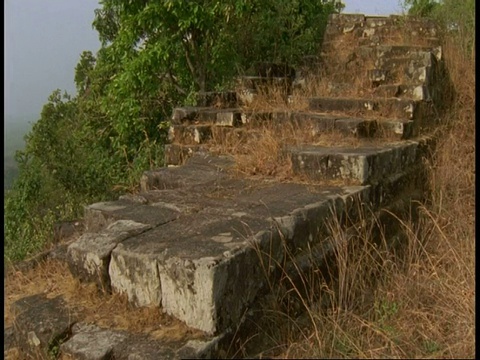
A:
<point x="364" y="166"/>
<point x="399" y="108"/>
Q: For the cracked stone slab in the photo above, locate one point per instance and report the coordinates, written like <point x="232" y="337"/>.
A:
<point x="403" y="108"/>
<point x="41" y="324"/>
<point x="99" y="215"/>
<point x="89" y="256"/>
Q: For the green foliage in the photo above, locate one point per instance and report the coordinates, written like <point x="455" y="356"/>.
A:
<point x="457" y="17"/>
<point x="31" y="208"/>
<point x="421" y="7"/>
<point x="283" y="30"/>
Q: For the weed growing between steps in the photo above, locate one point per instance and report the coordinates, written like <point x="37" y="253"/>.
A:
<point x="418" y="303"/>
<point x="259" y="150"/>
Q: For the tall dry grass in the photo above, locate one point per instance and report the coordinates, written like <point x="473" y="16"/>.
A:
<point x="418" y="302"/>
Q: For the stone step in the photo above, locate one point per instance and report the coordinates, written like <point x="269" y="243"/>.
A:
<point x="190" y="134"/>
<point x="205" y="267"/>
<point x="414" y="68"/>
<point x="397" y="51"/>
<point x="195" y="241"/>
<point x="186" y="136"/>
<point x="386" y="34"/>
<point x="414" y="92"/>
<point x="249" y="86"/>
<point x="364" y="164"/>
<point x="407" y="64"/>
<point x="377" y="38"/>
<point x="258" y="82"/>
<point x="321" y="123"/>
<point x="221" y="137"/>
<point x="186" y="115"/>
<point x="376" y="21"/>
<point x="417" y="76"/>
<point x="218" y="99"/>
<point x="89" y="341"/>
<point x="205" y="134"/>
<point x="381" y="89"/>
<point x="177" y="154"/>
<point x="201" y="169"/>
<point x="382" y="55"/>
<point x="399" y="108"/>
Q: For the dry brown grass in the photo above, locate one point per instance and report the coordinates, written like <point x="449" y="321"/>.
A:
<point x="420" y="302"/>
<point x="259" y="149"/>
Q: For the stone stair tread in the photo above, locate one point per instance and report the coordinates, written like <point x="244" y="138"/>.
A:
<point x="190" y="134"/>
<point x="176" y="154"/>
<point x="187" y="113"/>
<point x="200" y="169"/>
<point x="348" y="124"/>
<point x="126" y="210"/>
<point x="378" y="38"/>
<point x="408" y="91"/>
<point x="397" y="50"/>
<point x="182" y="263"/>
<point x="415" y="90"/>
<point x="401" y="108"/>
<point x="365" y="163"/>
<point x="191" y="114"/>
<point x="218" y="99"/>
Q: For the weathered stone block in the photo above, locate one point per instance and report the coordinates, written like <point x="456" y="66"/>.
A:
<point x="200" y="168"/>
<point x="100" y="215"/>
<point x="177" y="154"/>
<point x="229" y="118"/>
<point x="189" y="134"/>
<point x="89" y="256"/>
<point x="135" y="275"/>
<point x="357" y="127"/>
<point x="186" y="114"/>
<point x="223" y="99"/>
<point x="89" y="342"/>
<point x="41" y="324"/>
<point x="364" y="164"/>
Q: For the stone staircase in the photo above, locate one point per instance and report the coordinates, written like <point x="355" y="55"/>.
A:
<point x="204" y="243"/>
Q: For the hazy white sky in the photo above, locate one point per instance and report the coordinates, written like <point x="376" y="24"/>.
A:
<point x="43" y="43"/>
<point x="373" y="7"/>
<point x="44" y="40"/>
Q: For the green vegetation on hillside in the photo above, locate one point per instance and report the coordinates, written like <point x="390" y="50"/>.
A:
<point x="15" y="130"/>
<point x="154" y="56"/>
